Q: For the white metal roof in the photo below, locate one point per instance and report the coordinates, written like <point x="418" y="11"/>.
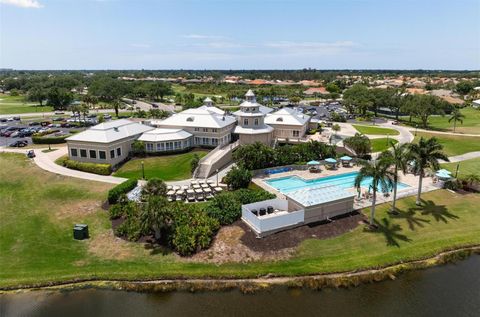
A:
<point x="260" y="130"/>
<point x="111" y="131"/>
<point x="249" y="104"/>
<point x="249" y="93"/>
<point x="159" y="135"/>
<point x="287" y="116"/>
<point x="202" y="117"/>
<point x="319" y="195"/>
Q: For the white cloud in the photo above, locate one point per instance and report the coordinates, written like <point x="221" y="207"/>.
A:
<point x="203" y="37"/>
<point x="23" y="3"/>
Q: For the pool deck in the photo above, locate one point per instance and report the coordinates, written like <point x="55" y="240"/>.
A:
<point x="408" y="179"/>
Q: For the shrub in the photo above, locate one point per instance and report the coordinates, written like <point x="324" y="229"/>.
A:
<point x="39" y="134"/>
<point x="193" y="231"/>
<point x="194" y="162"/>
<point x="101" y="169"/>
<point x="452" y="185"/>
<point x="115" y="211"/>
<point x="123" y="188"/>
<point x="225" y="207"/>
<point x="238" y="177"/>
<point x="248" y="196"/>
<point x="50" y="140"/>
<point x="130" y="228"/>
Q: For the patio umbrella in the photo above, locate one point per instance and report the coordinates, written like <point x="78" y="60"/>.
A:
<point x="218" y="189"/>
<point x="313" y="163"/>
<point x="346" y="158"/>
<point x="194" y="182"/>
<point x="180" y="192"/>
<point x="207" y="190"/>
<point x="196" y="186"/>
<point x="444" y="171"/>
<point x="169" y="187"/>
<point x="210" y="181"/>
<point x="176" y="187"/>
<point x="331" y="160"/>
<point x="184" y="187"/>
<point x="202" y="181"/>
<point x="205" y="185"/>
<point x="443" y="175"/>
<point x="199" y="191"/>
<point x="171" y="192"/>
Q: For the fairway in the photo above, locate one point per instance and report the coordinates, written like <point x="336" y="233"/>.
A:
<point x="18" y="104"/>
<point x="453" y="144"/>
<point x="372" y="130"/>
<point x="382" y="144"/>
<point x="465" y="167"/>
<point x="471" y="122"/>
<point x="40" y="208"/>
<point x="166" y="167"/>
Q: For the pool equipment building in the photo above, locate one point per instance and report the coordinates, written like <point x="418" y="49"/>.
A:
<point x="300" y="207"/>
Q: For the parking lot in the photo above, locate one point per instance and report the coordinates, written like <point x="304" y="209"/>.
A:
<point x="22" y="130"/>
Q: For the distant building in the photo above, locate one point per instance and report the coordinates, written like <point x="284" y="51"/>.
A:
<point x="315" y="91"/>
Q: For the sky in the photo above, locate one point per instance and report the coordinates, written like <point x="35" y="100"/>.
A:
<point x="240" y="34"/>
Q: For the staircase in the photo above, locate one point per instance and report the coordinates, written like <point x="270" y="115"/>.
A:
<point x="215" y="159"/>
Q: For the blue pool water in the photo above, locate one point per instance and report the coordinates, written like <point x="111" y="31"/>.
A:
<point x="347" y="180"/>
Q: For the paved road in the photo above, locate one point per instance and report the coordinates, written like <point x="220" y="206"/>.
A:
<point x="51" y="113"/>
<point x="147" y="106"/>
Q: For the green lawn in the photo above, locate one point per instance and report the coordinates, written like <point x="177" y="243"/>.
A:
<point x="471" y="122"/>
<point x="373" y="130"/>
<point x="381" y="144"/>
<point x="40" y="208"/>
<point x="454" y="144"/>
<point x="167" y="167"/>
<point x="466" y="167"/>
<point x="17" y="104"/>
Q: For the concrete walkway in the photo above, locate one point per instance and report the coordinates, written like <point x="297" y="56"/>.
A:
<point x="463" y="157"/>
<point x="442" y="132"/>
<point x="46" y="161"/>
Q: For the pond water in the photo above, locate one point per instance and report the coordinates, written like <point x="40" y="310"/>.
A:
<point x="450" y="290"/>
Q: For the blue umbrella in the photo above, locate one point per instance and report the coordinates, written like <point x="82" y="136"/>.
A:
<point x="444" y="171"/>
<point x="443" y="175"/>
<point x="346" y="158"/>
<point x="331" y="160"/>
<point x="313" y="163"/>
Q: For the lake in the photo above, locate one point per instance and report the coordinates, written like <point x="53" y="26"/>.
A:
<point x="449" y="290"/>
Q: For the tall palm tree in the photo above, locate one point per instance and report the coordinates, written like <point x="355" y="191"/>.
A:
<point x="155" y="215"/>
<point x="456" y="116"/>
<point x="425" y="154"/>
<point x="382" y="178"/>
<point x="397" y="155"/>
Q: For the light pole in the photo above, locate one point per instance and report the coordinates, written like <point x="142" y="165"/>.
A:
<point x="456" y="171"/>
<point x="416" y="127"/>
<point x="143" y="171"/>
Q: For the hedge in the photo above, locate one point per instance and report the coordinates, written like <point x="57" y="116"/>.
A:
<point x="101" y="169"/>
<point x="39" y="134"/>
<point x="123" y="188"/>
<point x="50" y="140"/>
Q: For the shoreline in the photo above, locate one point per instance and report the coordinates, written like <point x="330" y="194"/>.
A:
<point x="250" y="285"/>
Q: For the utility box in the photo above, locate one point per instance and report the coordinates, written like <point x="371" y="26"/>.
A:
<point x="80" y="232"/>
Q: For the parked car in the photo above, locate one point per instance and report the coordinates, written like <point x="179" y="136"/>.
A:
<point x="45" y="123"/>
<point x="395" y="122"/>
<point x="34" y="123"/>
<point x="59" y="112"/>
<point x="16" y="118"/>
<point x="65" y="125"/>
<point x="31" y="154"/>
<point x="19" y="143"/>
<point x="107" y="117"/>
<point x="3" y="119"/>
<point x="57" y="119"/>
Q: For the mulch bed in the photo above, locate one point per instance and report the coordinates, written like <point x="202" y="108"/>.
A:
<point x="293" y="237"/>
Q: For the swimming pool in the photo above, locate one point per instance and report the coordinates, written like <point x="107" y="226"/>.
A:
<point x="347" y="180"/>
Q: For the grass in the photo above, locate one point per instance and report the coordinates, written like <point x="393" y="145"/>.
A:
<point x="471" y="122"/>
<point x="453" y="144"/>
<point x="372" y="130"/>
<point x="17" y="104"/>
<point x="471" y="166"/>
<point x="39" y="210"/>
<point x="167" y="167"/>
<point x="382" y="144"/>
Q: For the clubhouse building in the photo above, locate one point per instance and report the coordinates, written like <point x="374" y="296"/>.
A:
<point x="206" y="126"/>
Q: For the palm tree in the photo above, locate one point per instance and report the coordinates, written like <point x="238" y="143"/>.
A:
<point x="425" y="154"/>
<point x="154" y="216"/>
<point x="472" y="179"/>
<point x="397" y="155"/>
<point x="456" y="116"/>
<point x="116" y="105"/>
<point x="382" y="178"/>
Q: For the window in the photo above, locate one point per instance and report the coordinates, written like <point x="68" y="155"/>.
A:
<point x="197" y="129"/>
<point x="119" y="151"/>
<point x="73" y="152"/>
<point x="149" y="147"/>
<point x="296" y="133"/>
<point x="256" y="121"/>
<point x="93" y="154"/>
<point x="214" y="130"/>
<point x="205" y="130"/>
<point x="245" y="121"/>
<point x="83" y="153"/>
<point x="279" y="119"/>
<point x="102" y="155"/>
<point x="197" y="140"/>
<point x="159" y="146"/>
<point x="205" y="140"/>
<point x="112" y="154"/>
<point x="214" y="141"/>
